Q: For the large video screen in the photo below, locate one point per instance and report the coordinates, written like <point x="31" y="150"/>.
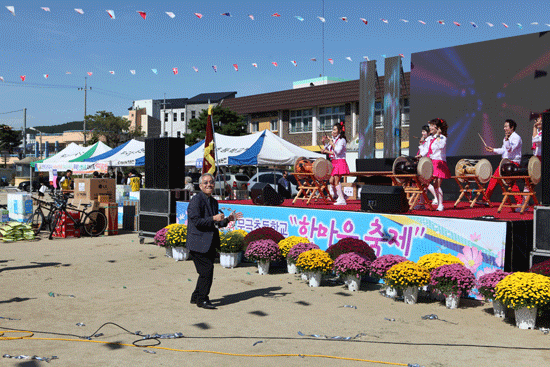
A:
<point x="476" y="87"/>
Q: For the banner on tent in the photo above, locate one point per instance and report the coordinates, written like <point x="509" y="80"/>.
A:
<point x="76" y="167"/>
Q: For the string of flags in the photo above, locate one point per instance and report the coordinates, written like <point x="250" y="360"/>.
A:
<point x="172" y="15"/>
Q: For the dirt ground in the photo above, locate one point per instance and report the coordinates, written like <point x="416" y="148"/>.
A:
<point x="116" y="279"/>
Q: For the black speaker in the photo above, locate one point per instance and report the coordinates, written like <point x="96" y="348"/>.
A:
<point x="384" y="199"/>
<point x="151" y="223"/>
<point x="161" y="201"/>
<point x="164" y="163"/>
<point x="263" y="194"/>
<point x="541" y="235"/>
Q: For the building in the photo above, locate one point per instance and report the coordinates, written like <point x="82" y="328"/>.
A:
<point x="302" y="115"/>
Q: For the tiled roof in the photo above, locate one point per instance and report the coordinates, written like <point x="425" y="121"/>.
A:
<point x="212" y="97"/>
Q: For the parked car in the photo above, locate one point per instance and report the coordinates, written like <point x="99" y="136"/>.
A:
<point x="235" y="180"/>
<point x="25" y="186"/>
<point x="271" y="178"/>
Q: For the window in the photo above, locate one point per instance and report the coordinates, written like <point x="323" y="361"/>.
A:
<point x="193" y="114"/>
<point x="378" y="115"/>
<point x="300" y="120"/>
<point x="273" y="125"/>
<point x="328" y="116"/>
<point x="182" y="116"/>
<point x="254" y="126"/>
<point x="166" y="116"/>
<point x="175" y="116"/>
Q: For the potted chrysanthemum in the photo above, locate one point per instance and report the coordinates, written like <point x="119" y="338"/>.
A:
<point x="286" y="244"/>
<point x="380" y="266"/>
<point x="176" y="237"/>
<point x="407" y="276"/>
<point x="314" y="262"/>
<point x="351" y="266"/>
<point x="437" y="259"/>
<point x="293" y="254"/>
<point x="350" y="244"/>
<point x="486" y="285"/>
<point x="262" y="233"/>
<point x="264" y="252"/>
<point x="160" y="240"/>
<point x="525" y="293"/>
<point x="542" y="268"/>
<point x="231" y="244"/>
<point x="452" y="281"/>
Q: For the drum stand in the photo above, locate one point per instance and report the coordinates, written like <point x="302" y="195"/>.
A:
<point x="506" y="192"/>
<point x="464" y="183"/>
<point x="310" y="187"/>
<point x="414" y="188"/>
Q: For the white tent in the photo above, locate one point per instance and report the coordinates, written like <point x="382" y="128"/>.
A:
<point x="71" y="151"/>
<point x="73" y="158"/>
<point x="129" y="154"/>
<point x="261" y="148"/>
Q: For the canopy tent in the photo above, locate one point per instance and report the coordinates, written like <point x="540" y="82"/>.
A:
<point x="261" y="148"/>
<point x="129" y="154"/>
<point x="93" y="151"/>
<point x="73" y="159"/>
<point x="71" y="151"/>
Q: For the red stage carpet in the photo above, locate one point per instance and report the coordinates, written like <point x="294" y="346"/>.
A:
<point x="463" y="209"/>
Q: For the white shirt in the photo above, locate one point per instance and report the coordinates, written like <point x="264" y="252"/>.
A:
<point x="511" y="148"/>
<point x="537" y="140"/>
<point x="339" y="148"/>
<point x="439" y="148"/>
<point x="423" y="148"/>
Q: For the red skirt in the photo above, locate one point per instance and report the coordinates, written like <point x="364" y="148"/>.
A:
<point x="440" y="169"/>
<point x="339" y="167"/>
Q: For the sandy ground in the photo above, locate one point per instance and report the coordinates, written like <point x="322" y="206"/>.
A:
<point x="116" y="279"/>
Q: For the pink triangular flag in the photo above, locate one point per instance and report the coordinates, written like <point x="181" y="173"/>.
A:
<point x="46" y="76"/>
<point x="422" y="22"/>
<point x="89" y="73"/>
<point x="112" y="72"/>
<point x="175" y="70"/>
<point x="274" y="63"/>
<point x="505" y="25"/>
<point x="275" y="15"/>
<point x="196" y="70"/>
<point x="251" y="16"/>
<point x="254" y="64"/>
<point x="44" y="8"/>
<point x="111" y="13"/>
<point x="199" y="15"/>
<point x="236" y="67"/>
<point x="457" y="24"/>
<point x="331" y="61"/>
<point x="22" y="77"/>
<point x="142" y="13"/>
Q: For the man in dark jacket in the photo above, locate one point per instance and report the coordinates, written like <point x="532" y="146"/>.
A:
<point x="203" y="237"/>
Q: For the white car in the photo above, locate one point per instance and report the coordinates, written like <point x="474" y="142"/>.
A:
<point x="236" y="181"/>
<point x="271" y="178"/>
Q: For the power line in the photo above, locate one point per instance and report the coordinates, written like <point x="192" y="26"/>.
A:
<point x="5" y="113"/>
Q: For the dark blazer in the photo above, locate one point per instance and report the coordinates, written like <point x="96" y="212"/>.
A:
<point x="201" y="230"/>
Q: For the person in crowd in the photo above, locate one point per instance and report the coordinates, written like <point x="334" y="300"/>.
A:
<point x="511" y="149"/>
<point x="134" y="180"/>
<point x="335" y="147"/>
<point x="189" y="184"/>
<point x="422" y="152"/>
<point x="95" y="174"/>
<point x="537" y="136"/>
<point x="66" y="183"/>
<point x="203" y="237"/>
<point x="283" y="186"/>
<point x="437" y="151"/>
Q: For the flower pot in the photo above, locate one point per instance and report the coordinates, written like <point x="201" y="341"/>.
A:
<point x="315" y="279"/>
<point x="180" y="253"/>
<point x="391" y="292"/>
<point x="168" y="251"/>
<point x="499" y="310"/>
<point x="291" y="268"/>
<point x="229" y="259"/>
<point x="353" y="282"/>
<point x="263" y="267"/>
<point x="305" y="276"/>
<point x="526" y="317"/>
<point x="452" y="301"/>
<point x="410" y="294"/>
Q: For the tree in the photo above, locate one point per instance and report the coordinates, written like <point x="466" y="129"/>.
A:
<point x="9" y="138"/>
<point x="225" y="122"/>
<point x="112" y="130"/>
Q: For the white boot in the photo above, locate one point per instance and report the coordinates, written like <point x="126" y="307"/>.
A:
<point x="432" y="190"/>
<point x="332" y="193"/>
<point x="439" y="198"/>
<point x="340" y="200"/>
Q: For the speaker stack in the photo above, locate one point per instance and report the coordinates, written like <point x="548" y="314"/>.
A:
<point x="541" y="236"/>
<point x="263" y="194"/>
<point x="164" y="180"/>
<point x="384" y="199"/>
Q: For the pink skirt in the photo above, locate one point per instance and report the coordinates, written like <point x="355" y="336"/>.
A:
<point x="440" y="169"/>
<point x="339" y="167"/>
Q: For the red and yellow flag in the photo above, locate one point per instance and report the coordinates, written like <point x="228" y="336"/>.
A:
<point x="209" y="161"/>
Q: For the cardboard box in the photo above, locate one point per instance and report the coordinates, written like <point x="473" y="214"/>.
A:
<point x="65" y="227"/>
<point x="350" y="189"/>
<point x="20" y="203"/>
<point x="111" y="212"/>
<point x="90" y="188"/>
<point x="103" y="198"/>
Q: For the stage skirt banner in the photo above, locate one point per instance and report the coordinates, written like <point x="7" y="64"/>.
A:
<point x="480" y="245"/>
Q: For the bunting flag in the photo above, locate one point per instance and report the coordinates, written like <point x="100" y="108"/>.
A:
<point x="253" y="64"/>
<point x="237" y="67"/>
<point x="274" y="63"/>
<point x="473" y="24"/>
<point x="175" y="70"/>
<point x="402" y="55"/>
<point x="251" y="16"/>
<point x="313" y="59"/>
<point x="490" y="24"/>
<point x="199" y="15"/>
<point x="366" y="58"/>
<point x="111" y="13"/>
<point x="11" y="9"/>
<point x="2" y="78"/>
<point x="89" y="73"/>
<point x="322" y="19"/>
<point x="275" y="15"/>
<point x="154" y="71"/>
<point x="22" y="77"/>
<point x="215" y="68"/>
<point x="404" y="20"/>
<point x="133" y="72"/>
<point x="196" y="70"/>
<point x="345" y="19"/>
<point x="384" y="20"/>
<point x="79" y="11"/>
<point x="384" y="56"/>
<point x="442" y="22"/>
<point x="209" y="160"/>
<point x="519" y="26"/>
<point x="422" y="22"/>
<point x="142" y="13"/>
<point x="535" y="23"/>
<point x="299" y="18"/>
<point x="226" y="14"/>
<point x="364" y="21"/>
<point x="46" y="76"/>
<point x="45" y="8"/>
<point x="112" y="72"/>
<point x="505" y="25"/>
<point x="68" y="72"/>
<point x="349" y="58"/>
<point x="331" y="61"/>
<point x="457" y="24"/>
<point x="294" y="62"/>
<point x="170" y="14"/>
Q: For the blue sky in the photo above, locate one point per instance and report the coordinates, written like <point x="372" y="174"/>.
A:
<point x="35" y="42"/>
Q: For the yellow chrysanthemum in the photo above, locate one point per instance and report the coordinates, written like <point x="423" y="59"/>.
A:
<point x="176" y="235"/>
<point x="435" y="260"/>
<point x="315" y="260"/>
<point x="286" y="244"/>
<point x="521" y="289"/>
<point x="407" y="274"/>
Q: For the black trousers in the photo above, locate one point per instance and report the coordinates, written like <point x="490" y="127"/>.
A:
<point x="204" y="263"/>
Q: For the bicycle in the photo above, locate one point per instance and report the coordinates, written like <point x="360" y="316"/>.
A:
<point x="38" y="219"/>
<point x="94" y="223"/>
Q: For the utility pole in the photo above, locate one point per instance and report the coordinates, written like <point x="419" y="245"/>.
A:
<point x="24" y="132"/>
<point x="85" y="89"/>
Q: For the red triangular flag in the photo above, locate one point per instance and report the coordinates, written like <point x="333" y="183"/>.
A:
<point x="23" y="77"/>
<point x="142" y="13"/>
